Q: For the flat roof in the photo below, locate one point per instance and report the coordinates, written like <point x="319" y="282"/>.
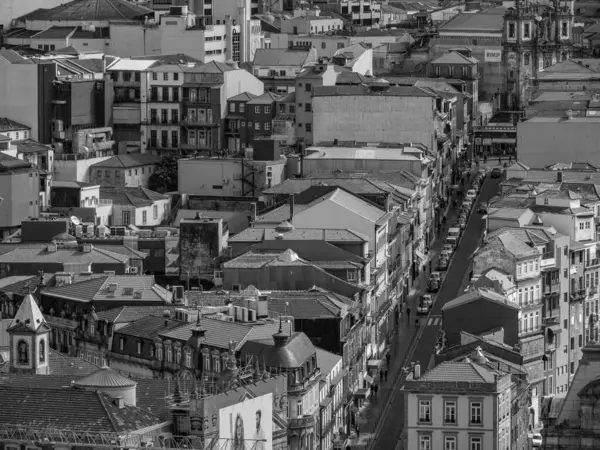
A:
<point x="396" y="154"/>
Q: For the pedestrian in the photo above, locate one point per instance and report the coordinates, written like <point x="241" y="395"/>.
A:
<point x="381" y="376"/>
<point x="385" y="376"/>
<point x="387" y="357"/>
<point x="408" y="314"/>
<point x="357" y="431"/>
<point x="499" y="160"/>
<point x="484" y="159"/>
<point x="416" y="323"/>
<point x="510" y="159"/>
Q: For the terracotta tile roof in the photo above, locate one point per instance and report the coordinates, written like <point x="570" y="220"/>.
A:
<point x="68" y="366"/>
<point x="477" y="294"/>
<point x="70" y="409"/>
<point x="125" y="161"/>
<point x="150" y="327"/>
<point x="55" y="33"/>
<point x="23" y="286"/>
<point x="244" y="96"/>
<point x="136" y="196"/>
<point x="466" y="372"/>
<point x="127" y="314"/>
<point x="219" y="333"/>
<point x="98" y="289"/>
<point x="329" y="235"/>
<point x="10" y="125"/>
<point x="272" y="57"/>
<point x="39" y="255"/>
<point x="90" y="10"/>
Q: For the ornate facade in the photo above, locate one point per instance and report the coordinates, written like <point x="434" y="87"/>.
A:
<point x="535" y="36"/>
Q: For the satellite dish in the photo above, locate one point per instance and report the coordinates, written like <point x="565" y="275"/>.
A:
<point x="75" y="220"/>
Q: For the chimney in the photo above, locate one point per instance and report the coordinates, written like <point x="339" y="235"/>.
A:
<point x="85" y="276"/>
<point x="87" y="248"/>
<point x="291" y="208"/>
<point x="120" y="402"/>
<point x="559" y="176"/>
<point x="62" y="279"/>
<point x="417" y="371"/>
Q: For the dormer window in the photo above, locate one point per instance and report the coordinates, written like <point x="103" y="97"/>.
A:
<point x="92" y="327"/>
<point x="207" y="362"/>
<point x="169" y="354"/>
<point x="138" y="347"/>
<point x="121" y="344"/>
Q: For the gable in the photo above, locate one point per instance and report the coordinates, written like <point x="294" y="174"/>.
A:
<point x="493" y="256"/>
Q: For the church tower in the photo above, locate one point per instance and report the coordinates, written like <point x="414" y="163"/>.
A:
<point x="536" y="35"/>
<point x="29" y="335"/>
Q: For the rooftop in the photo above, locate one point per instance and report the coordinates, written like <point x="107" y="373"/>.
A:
<point x="489" y="21"/>
<point x="359" y="90"/>
<point x="293" y="354"/>
<point x="280" y="57"/>
<point x="89" y="10"/>
<point x="39" y="255"/>
<point x="136" y="196"/>
<point x="385" y="154"/>
<point x="466" y="372"/>
<point x="150" y="327"/>
<point x="269" y="234"/>
<point x="10" y="125"/>
<point x="476" y="294"/>
<point x="105" y="378"/>
<point x="126" y="161"/>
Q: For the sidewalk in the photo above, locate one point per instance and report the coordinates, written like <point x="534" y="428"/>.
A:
<point x="370" y="415"/>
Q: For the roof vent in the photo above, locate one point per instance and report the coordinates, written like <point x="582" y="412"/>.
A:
<point x="112" y="287"/>
<point x="279" y="236"/>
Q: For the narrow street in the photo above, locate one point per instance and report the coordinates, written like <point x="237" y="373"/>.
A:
<point x="389" y="430"/>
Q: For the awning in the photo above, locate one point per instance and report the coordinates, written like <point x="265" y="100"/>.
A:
<point x="419" y="254"/>
<point x="369" y="379"/>
<point x="504" y="140"/>
<point x="374" y="363"/>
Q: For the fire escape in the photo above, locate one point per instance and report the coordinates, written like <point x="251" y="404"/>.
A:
<point x="249" y="172"/>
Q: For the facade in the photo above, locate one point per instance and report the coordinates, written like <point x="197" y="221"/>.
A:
<point x="136" y="206"/>
<point x="124" y="170"/>
<point x="460" y="404"/>
<point x="277" y="68"/>
<point x="534" y="38"/>
<point x="202" y="241"/>
<point x="236" y="130"/>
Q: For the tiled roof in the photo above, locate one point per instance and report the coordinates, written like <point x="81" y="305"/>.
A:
<point x="219" y="333"/>
<point x="128" y="314"/>
<point x="309" y="305"/>
<point x="150" y="327"/>
<point x="105" y="378"/>
<point x="90" y="10"/>
<point x="136" y="196"/>
<point x="55" y="33"/>
<point x="508" y="213"/>
<point x="360" y="90"/>
<point x="124" y="250"/>
<point x="68" y="366"/>
<point x="271" y="57"/>
<point x="243" y="97"/>
<point x="69" y="409"/>
<point x="266" y="259"/>
<point x="454" y="58"/>
<point x="358" y="186"/>
<point x="326" y="361"/>
<point x="489" y="20"/>
<point x="466" y="372"/>
<point x="125" y="161"/>
<point x="22" y="286"/>
<point x="10" y="125"/>
<point x="265" y="99"/>
<point x="98" y="289"/>
<point x="31" y="146"/>
<point x="14" y="58"/>
<point x="328" y="235"/>
<point x="62" y="255"/>
<point x="209" y="67"/>
<point x="515" y="245"/>
<point x="477" y="294"/>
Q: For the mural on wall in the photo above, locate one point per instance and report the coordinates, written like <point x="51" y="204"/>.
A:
<point x="199" y="244"/>
<point x="248" y="424"/>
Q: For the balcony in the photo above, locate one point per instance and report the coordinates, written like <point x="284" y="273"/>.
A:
<point x="551" y="289"/>
<point x="592" y="263"/>
<point x="125" y="99"/>
<point x="198" y="123"/>
<point x="578" y="294"/>
<point x="592" y="290"/>
<point x="196" y="100"/>
<point x="548" y="263"/>
<point x="573" y="270"/>
<point x="302" y="422"/>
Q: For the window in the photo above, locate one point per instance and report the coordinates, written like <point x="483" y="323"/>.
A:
<point x="475" y="443"/>
<point x="475" y="416"/>
<point x="232" y="107"/>
<point x="351" y="275"/>
<point x="155" y="75"/>
<point x="450" y="412"/>
<point x="424" y="442"/>
<point x="424" y="411"/>
<point x="242" y="107"/>
<point x="166" y="76"/>
<point x="257" y="126"/>
<point x="526" y="31"/>
<point x="155" y="211"/>
<point x="267" y="126"/>
<point x="564" y="30"/>
<point x="526" y="61"/>
<point x="257" y="109"/>
<point x="169" y="354"/>
<point x="308" y="107"/>
<point x="308" y="87"/>
<point x="450" y="443"/>
<point x="299" y="408"/>
<point x="188" y="357"/>
<point x="121" y="344"/>
<point x="519" y="269"/>
<point x="159" y="352"/>
<point x="42" y="351"/>
<point x="126" y="219"/>
<point x="511" y="30"/>
<point x="174" y="138"/>
<point x="309" y="127"/>
<point x="144" y="217"/>
<point x="267" y="110"/>
<point x="138" y="347"/>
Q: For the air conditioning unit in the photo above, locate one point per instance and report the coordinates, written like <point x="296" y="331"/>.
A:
<point x="134" y="270"/>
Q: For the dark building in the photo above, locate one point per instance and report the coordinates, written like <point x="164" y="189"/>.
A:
<point x="260" y="112"/>
<point x="201" y="240"/>
<point x="43" y="230"/>
<point x="236" y="130"/>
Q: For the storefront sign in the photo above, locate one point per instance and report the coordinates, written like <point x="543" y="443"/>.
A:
<point x="493" y="55"/>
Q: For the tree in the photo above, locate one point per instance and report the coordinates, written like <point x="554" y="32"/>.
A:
<point x="164" y="178"/>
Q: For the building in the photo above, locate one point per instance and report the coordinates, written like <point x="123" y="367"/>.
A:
<point x="570" y="418"/>
<point x="73" y="194"/>
<point x="312" y="22"/>
<point x="236" y="131"/>
<point x="259" y="117"/>
<point x="202" y="241"/>
<point x="21" y="192"/>
<point x="124" y="170"/>
<point x="231" y="177"/>
<point x="136" y="206"/>
<point x="458" y="404"/>
<point x="277" y="68"/>
<point x="357" y="58"/>
<point x="552" y="134"/>
<point x="361" y="13"/>
<point x="482" y="32"/>
<point x="534" y="38"/>
<point x="340" y="111"/>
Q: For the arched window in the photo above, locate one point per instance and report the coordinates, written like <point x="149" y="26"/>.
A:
<point x="159" y="352"/>
<point x="23" y="352"/>
<point x="43" y="350"/>
<point x="188" y="357"/>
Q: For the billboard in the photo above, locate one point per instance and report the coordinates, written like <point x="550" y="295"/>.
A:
<point x="248" y="424"/>
<point x="493" y="55"/>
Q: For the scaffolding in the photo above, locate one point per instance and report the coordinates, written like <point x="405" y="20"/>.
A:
<point x="131" y="441"/>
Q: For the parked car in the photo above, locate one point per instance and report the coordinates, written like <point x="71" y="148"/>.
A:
<point x="536" y="440"/>
<point x="462" y="223"/>
<point x="435" y="276"/>
<point x="482" y="172"/>
<point x="442" y="263"/>
<point x="427" y="300"/>
<point x="422" y="309"/>
<point x="482" y="208"/>
<point x="446" y="254"/>
<point x="496" y="172"/>
<point x="467" y="204"/>
<point x="471" y="194"/>
<point x="448" y="248"/>
<point x="433" y="286"/>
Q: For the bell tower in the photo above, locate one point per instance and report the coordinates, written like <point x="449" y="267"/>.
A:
<point x="535" y="36"/>
<point x="29" y="335"/>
